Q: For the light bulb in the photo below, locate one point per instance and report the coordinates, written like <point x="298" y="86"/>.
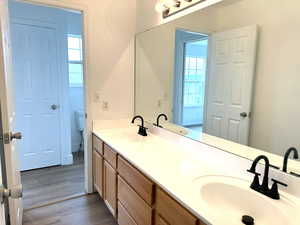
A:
<point x="160" y="6"/>
<point x="170" y="3"/>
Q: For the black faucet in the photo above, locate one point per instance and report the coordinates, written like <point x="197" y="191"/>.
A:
<point x="157" y="120"/>
<point x="286" y="157"/>
<point x="264" y="187"/>
<point x="142" y="129"/>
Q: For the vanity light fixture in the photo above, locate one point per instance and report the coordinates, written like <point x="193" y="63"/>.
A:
<point x="170" y="7"/>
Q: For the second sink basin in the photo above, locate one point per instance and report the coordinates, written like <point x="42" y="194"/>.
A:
<point x="230" y="198"/>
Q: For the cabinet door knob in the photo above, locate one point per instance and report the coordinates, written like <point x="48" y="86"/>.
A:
<point x="54" y="107"/>
<point x="243" y="114"/>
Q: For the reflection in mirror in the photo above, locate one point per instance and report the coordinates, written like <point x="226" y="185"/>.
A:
<point x="228" y="76"/>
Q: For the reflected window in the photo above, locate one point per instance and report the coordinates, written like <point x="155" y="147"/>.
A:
<point x="194" y="73"/>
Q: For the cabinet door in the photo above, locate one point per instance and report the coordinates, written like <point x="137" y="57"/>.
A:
<point x="110" y="187"/>
<point x="171" y="211"/>
<point x="98" y="172"/>
<point x="159" y="220"/>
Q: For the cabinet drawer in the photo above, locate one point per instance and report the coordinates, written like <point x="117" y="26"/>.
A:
<point x="172" y="212"/>
<point x="110" y="156"/>
<point x="123" y="217"/>
<point x="138" y="209"/>
<point x="97" y="144"/>
<point x="141" y="184"/>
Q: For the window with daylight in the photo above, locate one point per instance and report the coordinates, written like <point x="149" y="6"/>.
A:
<point x="75" y="61"/>
<point x="194" y="73"/>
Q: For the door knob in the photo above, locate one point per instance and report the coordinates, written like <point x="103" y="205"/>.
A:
<point x="54" y="107"/>
<point x="243" y="114"/>
<point x="15" y="193"/>
<point x="17" y="135"/>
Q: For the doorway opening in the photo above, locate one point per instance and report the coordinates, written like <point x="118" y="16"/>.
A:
<point x="49" y="95"/>
<point x="191" y="53"/>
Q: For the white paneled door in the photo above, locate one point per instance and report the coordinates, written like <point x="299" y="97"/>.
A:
<point x="36" y="93"/>
<point x="229" y="90"/>
<point x="10" y="160"/>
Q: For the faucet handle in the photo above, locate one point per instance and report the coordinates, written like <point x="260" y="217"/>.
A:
<point x="274" y="194"/>
<point x="279" y="182"/>
<point x="253" y="172"/>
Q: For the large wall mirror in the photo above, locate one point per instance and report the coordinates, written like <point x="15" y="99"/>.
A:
<point x="227" y="75"/>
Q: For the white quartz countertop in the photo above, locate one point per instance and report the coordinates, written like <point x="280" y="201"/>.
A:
<point x="174" y="167"/>
<point x="232" y="147"/>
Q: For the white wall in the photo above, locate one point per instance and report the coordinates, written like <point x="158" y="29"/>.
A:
<point x="275" y="111"/>
<point x="110" y="48"/>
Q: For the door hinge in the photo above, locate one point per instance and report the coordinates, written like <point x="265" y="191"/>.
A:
<point x="5" y="138"/>
<point x="15" y="193"/>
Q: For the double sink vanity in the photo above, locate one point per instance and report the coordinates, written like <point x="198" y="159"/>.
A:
<point x="167" y="179"/>
<point x="219" y="91"/>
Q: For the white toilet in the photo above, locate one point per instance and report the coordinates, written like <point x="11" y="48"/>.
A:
<point x="79" y="117"/>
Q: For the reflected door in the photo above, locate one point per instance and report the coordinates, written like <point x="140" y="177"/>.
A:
<point x="231" y="75"/>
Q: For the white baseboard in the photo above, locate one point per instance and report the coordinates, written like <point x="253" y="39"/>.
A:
<point x="67" y="160"/>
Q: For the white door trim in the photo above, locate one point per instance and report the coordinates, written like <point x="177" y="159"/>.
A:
<point x="79" y="6"/>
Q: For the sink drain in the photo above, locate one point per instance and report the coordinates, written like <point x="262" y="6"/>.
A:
<point x="248" y="220"/>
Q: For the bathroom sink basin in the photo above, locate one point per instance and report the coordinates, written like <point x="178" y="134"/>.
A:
<point x="228" y="199"/>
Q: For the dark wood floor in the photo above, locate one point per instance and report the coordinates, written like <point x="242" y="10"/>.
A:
<point x="87" y="210"/>
<point x="48" y="184"/>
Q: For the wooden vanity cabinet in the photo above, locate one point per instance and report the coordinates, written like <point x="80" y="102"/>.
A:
<point x="132" y="197"/>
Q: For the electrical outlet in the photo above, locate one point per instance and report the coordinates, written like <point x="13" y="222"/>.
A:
<point x="97" y="96"/>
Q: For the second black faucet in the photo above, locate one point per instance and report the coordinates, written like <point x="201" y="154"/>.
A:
<point x="157" y="119"/>
<point x="264" y="187"/>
